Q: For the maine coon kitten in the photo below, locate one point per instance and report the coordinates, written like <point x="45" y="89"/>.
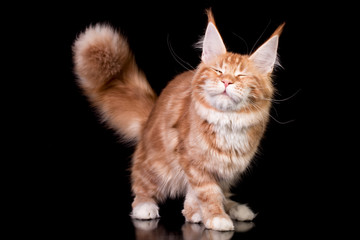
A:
<point x="198" y="136"/>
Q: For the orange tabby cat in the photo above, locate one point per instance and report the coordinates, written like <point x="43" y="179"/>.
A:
<point x="198" y="136"/>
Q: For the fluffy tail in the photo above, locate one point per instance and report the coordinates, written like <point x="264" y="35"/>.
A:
<point x="110" y="78"/>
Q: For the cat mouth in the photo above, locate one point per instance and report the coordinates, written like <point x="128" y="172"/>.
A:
<point x="236" y="100"/>
<point x="226" y="94"/>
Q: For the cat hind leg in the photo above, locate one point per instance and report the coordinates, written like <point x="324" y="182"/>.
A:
<point x="239" y="212"/>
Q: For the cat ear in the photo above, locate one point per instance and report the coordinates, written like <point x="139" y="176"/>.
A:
<point x="213" y="45"/>
<point x="265" y="57"/>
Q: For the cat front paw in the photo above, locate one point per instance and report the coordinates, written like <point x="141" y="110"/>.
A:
<point x="241" y="212"/>
<point x="220" y="223"/>
<point x="195" y="218"/>
<point x="192" y="216"/>
<point x="145" y="211"/>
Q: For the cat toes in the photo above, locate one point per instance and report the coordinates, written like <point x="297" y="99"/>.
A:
<point x="145" y="211"/>
<point x="192" y="216"/>
<point x="241" y="212"/>
<point x="220" y="223"/>
<point x="195" y="218"/>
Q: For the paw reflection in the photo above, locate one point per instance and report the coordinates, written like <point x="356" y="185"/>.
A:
<point x="192" y="231"/>
<point x="153" y="229"/>
<point x="239" y="227"/>
<point x="243" y="226"/>
<point x="146" y="225"/>
<point x="216" y="235"/>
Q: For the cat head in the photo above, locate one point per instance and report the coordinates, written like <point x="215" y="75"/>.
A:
<point x="233" y="82"/>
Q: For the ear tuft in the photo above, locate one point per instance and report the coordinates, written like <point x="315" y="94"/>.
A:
<point x="210" y="16"/>
<point x="265" y="57"/>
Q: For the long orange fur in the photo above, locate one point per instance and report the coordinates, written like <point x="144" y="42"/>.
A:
<point x="186" y="144"/>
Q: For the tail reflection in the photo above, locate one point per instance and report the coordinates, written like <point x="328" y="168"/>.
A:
<point x="152" y="229"/>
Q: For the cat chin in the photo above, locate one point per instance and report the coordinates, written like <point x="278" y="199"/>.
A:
<point x="224" y="102"/>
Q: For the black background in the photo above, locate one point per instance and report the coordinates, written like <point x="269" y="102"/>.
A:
<point x="79" y="183"/>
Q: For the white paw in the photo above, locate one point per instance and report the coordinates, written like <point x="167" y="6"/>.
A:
<point x="220" y="224"/>
<point x="241" y="212"/>
<point x="146" y="210"/>
<point x="195" y="218"/>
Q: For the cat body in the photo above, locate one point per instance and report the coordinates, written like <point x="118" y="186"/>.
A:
<point x="198" y="136"/>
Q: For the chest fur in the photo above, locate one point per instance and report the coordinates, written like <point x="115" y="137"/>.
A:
<point x="227" y="141"/>
<point x="227" y="153"/>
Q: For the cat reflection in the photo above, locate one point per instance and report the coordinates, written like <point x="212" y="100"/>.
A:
<point x="151" y="229"/>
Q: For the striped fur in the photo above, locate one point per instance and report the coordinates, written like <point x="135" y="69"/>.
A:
<point x="197" y="137"/>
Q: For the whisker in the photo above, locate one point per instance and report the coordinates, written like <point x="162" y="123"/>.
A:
<point x="285" y="99"/>
<point x="275" y="111"/>
<point x="283" y="123"/>
<point x="178" y="59"/>
<point x="243" y="40"/>
<point x="260" y="36"/>
<point x="268" y="113"/>
<point x="281" y="100"/>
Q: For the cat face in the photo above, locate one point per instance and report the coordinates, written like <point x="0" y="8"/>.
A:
<point x="231" y="83"/>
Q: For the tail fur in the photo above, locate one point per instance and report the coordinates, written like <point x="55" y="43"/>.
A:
<point x="110" y="78"/>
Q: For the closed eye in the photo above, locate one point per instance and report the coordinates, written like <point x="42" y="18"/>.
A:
<point x="240" y="75"/>
<point x="218" y="71"/>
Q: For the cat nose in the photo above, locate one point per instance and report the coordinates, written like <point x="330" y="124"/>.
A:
<point x="226" y="82"/>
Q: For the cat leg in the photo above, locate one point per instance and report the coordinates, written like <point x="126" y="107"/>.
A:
<point x="144" y="208"/>
<point x="237" y="211"/>
<point x="144" y="205"/>
<point x="210" y="199"/>
<point x="144" y="187"/>
<point x="211" y="203"/>
<point x="191" y="212"/>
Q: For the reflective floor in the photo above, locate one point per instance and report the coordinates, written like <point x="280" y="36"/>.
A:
<point x="154" y="229"/>
<point x="116" y="225"/>
<point x="102" y="212"/>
